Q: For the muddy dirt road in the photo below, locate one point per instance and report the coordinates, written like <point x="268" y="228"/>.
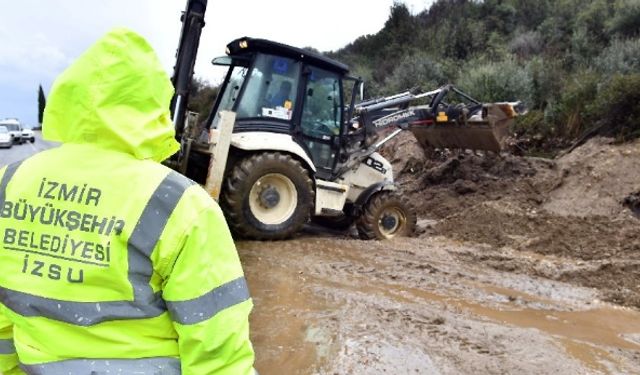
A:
<point x="521" y="266"/>
<point x="424" y="306"/>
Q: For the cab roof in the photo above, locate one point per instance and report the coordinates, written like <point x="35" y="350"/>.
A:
<point x="245" y="45"/>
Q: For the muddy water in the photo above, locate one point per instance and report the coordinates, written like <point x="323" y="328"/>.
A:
<point x="338" y="306"/>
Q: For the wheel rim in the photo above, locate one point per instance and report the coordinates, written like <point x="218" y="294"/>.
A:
<point x="273" y="199"/>
<point x="391" y="222"/>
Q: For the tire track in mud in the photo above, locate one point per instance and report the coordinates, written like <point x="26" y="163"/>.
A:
<point x="423" y="306"/>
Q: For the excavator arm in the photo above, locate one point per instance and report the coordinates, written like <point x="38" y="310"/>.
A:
<point x="192" y="24"/>
<point x="464" y="123"/>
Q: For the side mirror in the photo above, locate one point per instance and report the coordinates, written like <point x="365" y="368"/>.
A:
<point x="310" y="92"/>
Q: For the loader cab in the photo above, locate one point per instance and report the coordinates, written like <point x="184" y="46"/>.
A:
<point x="277" y="88"/>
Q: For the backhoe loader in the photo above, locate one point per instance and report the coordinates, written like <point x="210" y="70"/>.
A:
<point x="289" y="138"/>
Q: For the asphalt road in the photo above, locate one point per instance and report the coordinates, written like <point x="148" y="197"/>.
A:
<point x="23" y="151"/>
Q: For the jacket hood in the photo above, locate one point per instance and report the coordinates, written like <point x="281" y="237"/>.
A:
<point x="116" y="95"/>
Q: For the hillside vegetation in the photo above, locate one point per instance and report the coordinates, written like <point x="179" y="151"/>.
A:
<point x="576" y="63"/>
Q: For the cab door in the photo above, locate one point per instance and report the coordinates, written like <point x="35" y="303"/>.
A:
<point x="321" y="118"/>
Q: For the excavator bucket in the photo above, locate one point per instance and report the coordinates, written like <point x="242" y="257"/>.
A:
<point x="485" y="130"/>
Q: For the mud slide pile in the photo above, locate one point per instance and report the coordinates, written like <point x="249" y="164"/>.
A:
<point x="507" y="276"/>
<point x="581" y="209"/>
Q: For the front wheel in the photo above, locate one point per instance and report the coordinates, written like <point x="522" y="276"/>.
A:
<point x="267" y="196"/>
<point x="386" y="215"/>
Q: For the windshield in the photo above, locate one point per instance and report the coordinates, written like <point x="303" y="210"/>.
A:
<point x="271" y="90"/>
<point x="3" y="130"/>
<point x="231" y="91"/>
<point x="12" y="127"/>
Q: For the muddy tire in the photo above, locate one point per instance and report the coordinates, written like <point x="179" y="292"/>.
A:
<point x="386" y="215"/>
<point x="267" y="196"/>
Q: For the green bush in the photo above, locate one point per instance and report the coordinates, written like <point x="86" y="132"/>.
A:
<point x="535" y="136"/>
<point x="571" y="113"/>
<point x="547" y="81"/>
<point x="416" y="70"/>
<point x="534" y="125"/>
<point x="496" y="82"/>
<point x="202" y="96"/>
<point x="626" y="20"/>
<point x="526" y="44"/>
<point x="616" y="111"/>
<point x="621" y="57"/>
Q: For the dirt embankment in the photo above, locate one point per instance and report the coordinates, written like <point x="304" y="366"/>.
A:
<point x="506" y="277"/>
<point x="581" y="208"/>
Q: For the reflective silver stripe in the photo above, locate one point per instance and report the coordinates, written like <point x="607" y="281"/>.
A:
<point x="143" y="366"/>
<point x="77" y="313"/>
<point x="146" y="303"/>
<point x="8" y="175"/>
<point x="206" y="306"/>
<point x="6" y="346"/>
<point x="146" y="235"/>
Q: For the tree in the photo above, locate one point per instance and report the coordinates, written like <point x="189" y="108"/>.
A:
<point x="201" y="97"/>
<point x="626" y="20"/>
<point x="42" y="102"/>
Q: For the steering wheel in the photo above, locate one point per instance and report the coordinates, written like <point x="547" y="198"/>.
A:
<point x="320" y="128"/>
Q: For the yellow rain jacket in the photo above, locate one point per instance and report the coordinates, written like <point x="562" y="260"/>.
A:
<point x="111" y="263"/>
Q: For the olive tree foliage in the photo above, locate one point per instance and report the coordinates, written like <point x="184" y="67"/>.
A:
<point x="547" y="81"/>
<point x="416" y="71"/>
<point x="590" y="33"/>
<point x="626" y="19"/>
<point x="621" y="57"/>
<point x="202" y="96"/>
<point x="496" y="81"/>
<point x="616" y="111"/>
<point x="562" y="57"/>
<point x="526" y="45"/>
<point x="570" y="111"/>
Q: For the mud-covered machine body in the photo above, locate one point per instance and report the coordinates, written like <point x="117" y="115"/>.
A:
<point x="293" y="152"/>
<point x="288" y="141"/>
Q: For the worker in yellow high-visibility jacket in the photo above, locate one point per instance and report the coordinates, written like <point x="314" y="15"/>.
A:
<point x="111" y="263"/>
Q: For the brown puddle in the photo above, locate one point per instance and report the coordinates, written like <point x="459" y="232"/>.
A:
<point x="311" y="316"/>
<point x="286" y="337"/>
<point x="577" y="331"/>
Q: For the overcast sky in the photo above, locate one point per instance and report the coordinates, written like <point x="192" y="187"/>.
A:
<point x="38" y="39"/>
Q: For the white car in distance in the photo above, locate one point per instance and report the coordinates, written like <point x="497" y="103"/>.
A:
<point x="14" y="128"/>
<point x="6" y="140"/>
<point x="28" y="135"/>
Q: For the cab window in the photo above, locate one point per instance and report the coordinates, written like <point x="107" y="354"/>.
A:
<point x="322" y="110"/>
<point x="271" y="89"/>
<point x="321" y="116"/>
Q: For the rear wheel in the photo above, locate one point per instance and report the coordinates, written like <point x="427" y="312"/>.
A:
<point x="386" y="215"/>
<point x="267" y="196"/>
